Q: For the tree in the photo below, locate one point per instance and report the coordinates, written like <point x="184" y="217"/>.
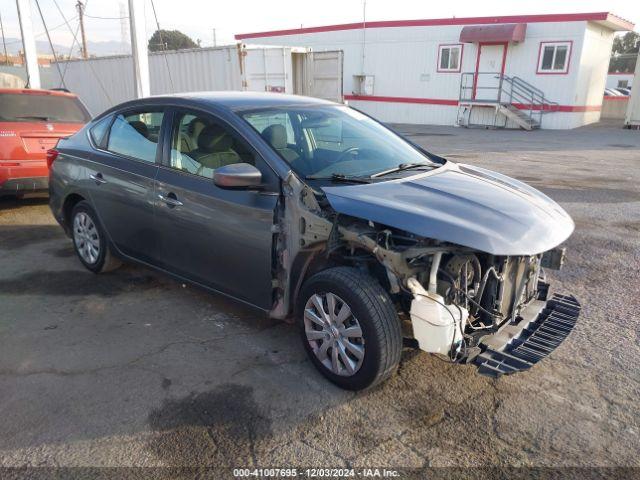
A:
<point x="625" y="53"/>
<point x="627" y="43"/>
<point x="170" y="40"/>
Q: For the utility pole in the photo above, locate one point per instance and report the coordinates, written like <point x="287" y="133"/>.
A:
<point x="4" y="43"/>
<point x="28" y="43"/>
<point x="215" y="44"/>
<point x="139" y="52"/>
<point x="80" y="7"/>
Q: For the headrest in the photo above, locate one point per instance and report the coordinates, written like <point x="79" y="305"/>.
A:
<point x="276" y="135"/>
<point x="214" y="139"/>
<point x="195" y="126"/>
<point x="140" y="127"/>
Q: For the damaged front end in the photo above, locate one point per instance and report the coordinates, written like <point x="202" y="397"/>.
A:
<point x="455" y="300"/>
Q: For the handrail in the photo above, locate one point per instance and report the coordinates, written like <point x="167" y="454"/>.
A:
<point x="512" y="91"/>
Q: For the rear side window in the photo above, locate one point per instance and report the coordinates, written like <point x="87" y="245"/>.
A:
<point x="99" y="132"/>
<point x="24" y="107"/>
<point x="136" y="135"/>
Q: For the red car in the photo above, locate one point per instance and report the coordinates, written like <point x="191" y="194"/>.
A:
<point x="32" y="122"/>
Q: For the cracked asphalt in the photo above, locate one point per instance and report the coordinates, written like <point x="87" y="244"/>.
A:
<point x="134" y="369"/>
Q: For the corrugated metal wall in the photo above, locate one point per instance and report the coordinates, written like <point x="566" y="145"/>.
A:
<point x="103" y="82"/>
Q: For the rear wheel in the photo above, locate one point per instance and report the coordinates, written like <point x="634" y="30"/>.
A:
<point x="89" y="240"/>
<point x="350" y="328"/>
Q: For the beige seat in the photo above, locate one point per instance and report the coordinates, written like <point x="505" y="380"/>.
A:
<point x="214" y="150"/>
<point x="276" y="135"/>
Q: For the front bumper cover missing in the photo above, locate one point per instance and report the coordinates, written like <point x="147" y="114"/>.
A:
<point x="516" y="347"/>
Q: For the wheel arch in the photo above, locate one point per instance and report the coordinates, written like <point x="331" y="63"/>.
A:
<point x="308" y="263"/>
<point x="69" y="203"/>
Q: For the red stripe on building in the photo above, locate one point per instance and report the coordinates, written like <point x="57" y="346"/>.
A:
<point x="616" y="97"/>
<point x="426" y="101"/>
<point x="566" y="17"/>
<point x="454" y="103"/>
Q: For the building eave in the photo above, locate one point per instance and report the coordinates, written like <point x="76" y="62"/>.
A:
<point x="604" y="19"/>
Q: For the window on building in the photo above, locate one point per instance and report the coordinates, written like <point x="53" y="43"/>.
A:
<point x="554" y="57"/>
<point x="449" y="58"/>
<point x="623" y="83"/>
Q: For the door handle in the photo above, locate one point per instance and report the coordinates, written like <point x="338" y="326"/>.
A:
<point x="170" y="200"/>
<point x="98" y="178"/>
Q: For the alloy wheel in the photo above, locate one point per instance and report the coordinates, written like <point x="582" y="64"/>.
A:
<point x="86" y="238"/>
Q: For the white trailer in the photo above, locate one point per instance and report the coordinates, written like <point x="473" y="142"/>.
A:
<point x="632" y="120"/>
<point x="103" y="82"/>
<point x="412" y="71"/>
<point x="619" y="80"/>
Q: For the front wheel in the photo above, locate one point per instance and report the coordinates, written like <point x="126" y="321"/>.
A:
<point x="90" y="241"/>
<point x="350" y="327"/>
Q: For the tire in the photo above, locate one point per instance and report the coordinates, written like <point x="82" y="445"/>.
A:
<point x="89" y="240"/>
<point x="371" y="309"/>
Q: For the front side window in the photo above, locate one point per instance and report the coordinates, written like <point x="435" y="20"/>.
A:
<point x="554" y="57"/>
<point x="449" y="58"/>
<point x="200" y="144"/>
<point x="333" y="140"/>
<point x="136" y="135"/>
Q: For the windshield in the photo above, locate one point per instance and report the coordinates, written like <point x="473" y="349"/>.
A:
<point x="16" y="107"/>
<point x="321" y="142"/>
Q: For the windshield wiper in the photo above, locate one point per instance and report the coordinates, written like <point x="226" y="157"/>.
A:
<point x="340" y="177"/>
<point x="401" y="167"/>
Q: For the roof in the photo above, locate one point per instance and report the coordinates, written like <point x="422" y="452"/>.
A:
<point x="605" y="19"/>
<point x="241" y="100"/>
<point x="232" y="100"/>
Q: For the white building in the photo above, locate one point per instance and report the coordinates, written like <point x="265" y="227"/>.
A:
<point x="527" y="71"/>
<point x="617" y="80"/>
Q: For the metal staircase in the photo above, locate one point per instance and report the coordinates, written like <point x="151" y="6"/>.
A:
<point x="510" y="100"/>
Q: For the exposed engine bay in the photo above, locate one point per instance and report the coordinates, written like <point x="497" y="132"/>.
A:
<point x="451" y="296"/>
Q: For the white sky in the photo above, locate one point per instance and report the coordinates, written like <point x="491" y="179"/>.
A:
<point x="197" y="18"/>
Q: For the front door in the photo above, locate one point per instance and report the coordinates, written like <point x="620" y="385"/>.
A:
<point x="217" y="237"/>
<point x="489" y="66"/>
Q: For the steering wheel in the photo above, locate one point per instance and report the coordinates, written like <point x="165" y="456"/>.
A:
<point x="348" y="151"/>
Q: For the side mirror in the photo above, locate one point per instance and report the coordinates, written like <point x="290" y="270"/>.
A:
<point x="237" y="175"/>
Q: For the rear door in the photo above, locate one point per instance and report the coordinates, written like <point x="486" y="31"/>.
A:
<point x="122" y="180"/>
<point x="220" y="238"/>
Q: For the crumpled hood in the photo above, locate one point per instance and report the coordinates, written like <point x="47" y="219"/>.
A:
<point x="461" y="204"/>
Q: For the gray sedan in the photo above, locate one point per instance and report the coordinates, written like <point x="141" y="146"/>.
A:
<point x="314" y="211"/>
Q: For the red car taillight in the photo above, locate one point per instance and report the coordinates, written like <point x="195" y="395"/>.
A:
<point x="52" y="154"/>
